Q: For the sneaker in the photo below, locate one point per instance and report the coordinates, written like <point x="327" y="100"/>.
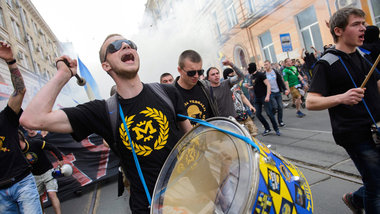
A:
<point x="266" y="132"/>
<point x="278" y="132"/>
<point x="300" y="114"/>
<point x="282" y="124"/>
<point x="347" y="199"/>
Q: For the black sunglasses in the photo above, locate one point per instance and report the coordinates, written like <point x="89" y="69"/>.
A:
<point x="193" y="72"/>
<point x="116" y="46"/>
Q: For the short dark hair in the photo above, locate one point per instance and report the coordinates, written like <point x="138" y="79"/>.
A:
<point x="340" y="19"/>
<point x="226" y="72"/>
<point x="101" y="52"/>
<point x="189" y="54"/>
<point x="165" y="75"/>
<point x="208" y="71"/>
<point x="252" y="67"/>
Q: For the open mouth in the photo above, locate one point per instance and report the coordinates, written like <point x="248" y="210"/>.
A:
<point x="128" y="58"/>
<point x="361" y="37"/>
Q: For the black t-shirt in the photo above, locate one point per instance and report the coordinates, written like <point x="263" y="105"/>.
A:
<point x="12" y="161"/>
<point x="196" y="102"/>
<point x="34" y="153"/>
<point x="258" y="84"/>
<point x="348" y="121"/>
<point x="153" y="129"/>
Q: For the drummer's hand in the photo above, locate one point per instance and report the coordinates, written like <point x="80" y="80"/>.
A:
<point x="253" y="110"/>
<point x="62" y="67"/>
<point x="352" y="96"/>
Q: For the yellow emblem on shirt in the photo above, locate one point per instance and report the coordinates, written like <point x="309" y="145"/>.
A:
<point x="145" y="132"/>
<point x="4" y="149"/>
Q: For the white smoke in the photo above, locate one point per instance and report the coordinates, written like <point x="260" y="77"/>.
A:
<point x="159" y="47"/>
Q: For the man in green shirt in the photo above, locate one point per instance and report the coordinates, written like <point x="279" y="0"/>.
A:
<point x="293" y="82"/>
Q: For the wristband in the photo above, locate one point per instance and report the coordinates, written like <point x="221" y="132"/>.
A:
<point x="11" y="62"/>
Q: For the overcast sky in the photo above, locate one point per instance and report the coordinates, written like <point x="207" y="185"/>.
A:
<point x="86" y="23"/>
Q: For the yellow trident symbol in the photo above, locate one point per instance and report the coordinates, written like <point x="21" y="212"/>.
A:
<point x="148" y="127"/>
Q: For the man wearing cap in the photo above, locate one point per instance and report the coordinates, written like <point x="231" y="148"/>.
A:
<point x="153" y="127"/>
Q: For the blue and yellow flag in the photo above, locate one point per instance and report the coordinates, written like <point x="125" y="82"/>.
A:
<point x="91" y="87"/>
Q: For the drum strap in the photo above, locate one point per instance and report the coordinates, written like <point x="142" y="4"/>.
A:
<point x="138" y="167"/>
<point x="365" y="104"/>
<point x="241" y="137"/>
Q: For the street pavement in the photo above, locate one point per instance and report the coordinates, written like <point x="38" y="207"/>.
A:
<point x="307" y="142"/>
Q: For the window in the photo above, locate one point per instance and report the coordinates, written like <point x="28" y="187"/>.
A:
<point x="41" y="50"/>
<point x="35" y="28"/>
<point x="44" y="38"/>
<point x="251" y="6"/>
<point x="26" y="17"/>
<point x="267" y="47"/>
<point x="230" y="13"/>
<point x="23" y="59"/>
<point x="10" y="3"/>
<point x="32" y="43"/>
<point x="38" y="69"/>
<point x="376" y="11"/>
<point x="2" y="22"/>
<point x="16" y="29"/>
<point x="216" y="25"/>
<point x="309" y="28"/>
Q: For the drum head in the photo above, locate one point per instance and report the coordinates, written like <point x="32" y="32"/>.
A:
<point x="206" y="171"/>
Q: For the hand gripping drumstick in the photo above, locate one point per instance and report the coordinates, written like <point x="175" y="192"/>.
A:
<point x="370" y="72"/>
<point x="80" y="80"/>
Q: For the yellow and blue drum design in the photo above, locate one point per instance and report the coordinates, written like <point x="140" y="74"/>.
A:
<point x="210" y="171"/>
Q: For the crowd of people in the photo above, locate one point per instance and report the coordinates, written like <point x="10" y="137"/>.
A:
<point x="239" y="94"/>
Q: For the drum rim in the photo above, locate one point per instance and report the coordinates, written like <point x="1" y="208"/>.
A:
<point x="253" y="156"/>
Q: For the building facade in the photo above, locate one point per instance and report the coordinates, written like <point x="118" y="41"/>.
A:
<point x="259" y="30"/>
<point x="34" y="45"/>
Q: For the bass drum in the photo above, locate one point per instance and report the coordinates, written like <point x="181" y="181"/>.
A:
<point x="210" y="171"/>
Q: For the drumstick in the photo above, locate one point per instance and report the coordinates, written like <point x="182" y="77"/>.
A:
<point x="370" y="72"/>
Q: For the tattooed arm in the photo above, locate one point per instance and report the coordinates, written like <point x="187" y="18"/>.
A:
<point x="17" y="96"/>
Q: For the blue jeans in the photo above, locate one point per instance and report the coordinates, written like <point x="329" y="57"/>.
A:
<point x="366" y="157"/>
<point x="21" y="197"/>
<point x="259" y="102"/>
<point x="276" y="101"/>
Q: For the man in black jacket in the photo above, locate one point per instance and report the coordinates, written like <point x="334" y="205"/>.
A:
<point x="335" y="86"/>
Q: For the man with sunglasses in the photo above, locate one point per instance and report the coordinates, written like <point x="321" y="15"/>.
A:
<point x="197" y="94"/>
<point x="153" y="127"/>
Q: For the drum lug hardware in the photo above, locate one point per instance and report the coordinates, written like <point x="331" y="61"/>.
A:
<point x="298" y="179"/>
<point x="269" y="160"/>
<point x="271" y="147"/>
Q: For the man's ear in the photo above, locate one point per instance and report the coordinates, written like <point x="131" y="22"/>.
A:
<point x="179" y="70"/>
<point x="106" y="66"/>
<point x="338" y="31"/>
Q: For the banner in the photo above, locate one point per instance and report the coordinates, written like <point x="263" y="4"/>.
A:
<point x="90" y="159"/>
